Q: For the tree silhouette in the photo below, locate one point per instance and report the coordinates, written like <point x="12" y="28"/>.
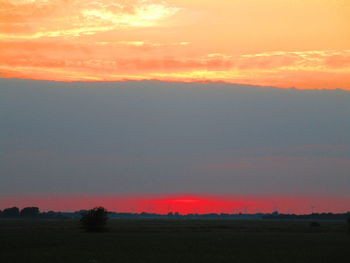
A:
<point x="94" y="220"/>
<point x="30" y="211"/>
<point x="10" y="212"/>
<point x="348" y="220"/>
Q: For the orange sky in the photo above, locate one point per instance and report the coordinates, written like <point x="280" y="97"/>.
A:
<point x="285" y="43"/>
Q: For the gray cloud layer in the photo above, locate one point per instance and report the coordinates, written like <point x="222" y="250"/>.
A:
<point x="159" y="137"/>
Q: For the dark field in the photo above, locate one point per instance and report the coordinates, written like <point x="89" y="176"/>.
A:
<point x="182" y="241"/>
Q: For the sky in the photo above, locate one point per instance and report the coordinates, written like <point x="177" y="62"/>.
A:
<point x="291" y="43"/>
<point x="160" y="146"/>
<point x="193" y="105"/>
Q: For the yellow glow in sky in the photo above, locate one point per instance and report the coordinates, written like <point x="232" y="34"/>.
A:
<point x="284" y="43"/>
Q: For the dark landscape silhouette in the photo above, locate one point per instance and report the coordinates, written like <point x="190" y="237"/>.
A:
<point x="34" y="212"/>
<point x="96" y="235"/>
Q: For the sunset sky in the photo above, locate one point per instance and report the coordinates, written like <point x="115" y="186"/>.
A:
<point x="187" y="105"/>
<point x="291" y="43"/>
<point x="160" y="146"/>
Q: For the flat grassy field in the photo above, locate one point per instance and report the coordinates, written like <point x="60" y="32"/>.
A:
<point x="160" y="240"/>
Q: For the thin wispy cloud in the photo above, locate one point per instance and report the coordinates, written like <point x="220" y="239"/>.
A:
<point x="303" y="45"/>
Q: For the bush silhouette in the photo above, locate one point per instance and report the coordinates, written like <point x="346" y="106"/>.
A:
<point x="94" y="220"/>
<point x="30" y="212"/>
<point x="10" y="212"/>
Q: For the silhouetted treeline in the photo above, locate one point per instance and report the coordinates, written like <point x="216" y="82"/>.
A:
<point x="175" y="215"/>
<point x="29" y="212"/>
<point x="313" y="216"/>
<point x="34" y="212"/>
<point x="274" y="215"/>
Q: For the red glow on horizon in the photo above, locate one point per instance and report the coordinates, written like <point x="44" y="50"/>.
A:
<point x="183" y="204"/>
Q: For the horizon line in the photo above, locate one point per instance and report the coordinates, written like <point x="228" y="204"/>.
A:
<point x="182" y="81"/>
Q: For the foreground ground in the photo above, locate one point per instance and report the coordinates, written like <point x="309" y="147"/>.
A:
<point x="214" y="241"/>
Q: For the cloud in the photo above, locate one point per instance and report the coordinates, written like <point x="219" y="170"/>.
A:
<point x="73" y="18"/>
<point x="105" y="68"/>
<point x="312" y="175"/>
<point x="171" y="40"/>
<point x="113" y="61"/>
<point x="166" y="137"/>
